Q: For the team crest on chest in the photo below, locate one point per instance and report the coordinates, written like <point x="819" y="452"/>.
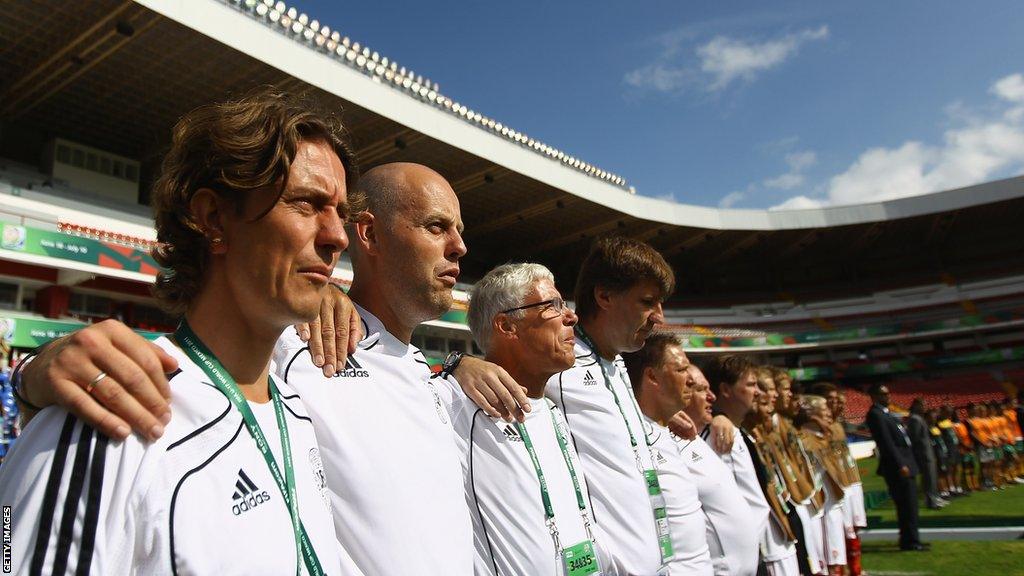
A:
<point x="316" y="464"/>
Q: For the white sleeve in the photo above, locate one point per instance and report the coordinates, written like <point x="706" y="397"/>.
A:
<point x="68" y="491"/>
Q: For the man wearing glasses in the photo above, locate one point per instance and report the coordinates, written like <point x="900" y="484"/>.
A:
<point x="524" y="485"/>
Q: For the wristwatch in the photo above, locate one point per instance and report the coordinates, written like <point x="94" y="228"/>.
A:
<point x="451" y="363"/>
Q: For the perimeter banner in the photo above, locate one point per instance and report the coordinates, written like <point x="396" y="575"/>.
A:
<point x="33" y="332"/>
<point x="30" y="240"/>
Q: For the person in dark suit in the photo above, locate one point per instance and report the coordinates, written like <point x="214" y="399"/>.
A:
<point x="921" y="443"/>
<point x="896" y="465"/>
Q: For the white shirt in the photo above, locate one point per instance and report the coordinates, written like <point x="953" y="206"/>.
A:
<point x="390" y="454"/>
<point x="618" y="491"/>
<point x="682" y="503"/>
<point x="739" y="462"/>
<point x="200" y="500"/>
<point x="732" y="533"/>
<point x="503" y="491"/>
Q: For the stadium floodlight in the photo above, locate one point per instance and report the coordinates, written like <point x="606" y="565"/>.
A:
<point x="346" y="42"/>
<point x="414" y="87"/>
<point x="307" y="33"/>
<point x="250" y="3"/>
<point x="303" y="19"/>
<point x="320" y="41"/>
<point x="375" y="57"/>
<point x="366" y="51"/>
<point x="335" y="36"/>
<point x="332" y="46"/>
<point x="356" y="46"/>
<point x="262" y="9"/>
<point x="431" y="95"/>
<point x="274" y="15"/>
<point x="350" y="55"/>
<point x="293" y="13"/>
<point x="340" y="51"/>
<point x="424" y="92"/>
<point x="360" y="60"/>
<point x="315" y="26"/>
<point x="389" y="75"/>
<point x="380" y="70"/>
<point x="297" y="27"/>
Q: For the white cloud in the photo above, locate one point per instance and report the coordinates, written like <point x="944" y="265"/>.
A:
<point x="786" y="181"/>
<point x="657" y="77"/>
<point x="1010" y="88"/>
<point x="729" y="59"/>
<point x="798" y="203"/>
<point x="730" y="199"/>
<point x="797" y="162"/>
<point x="979" y="147"/>
<point x="717" y="63"/>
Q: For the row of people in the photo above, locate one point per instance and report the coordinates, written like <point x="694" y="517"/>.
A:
<point x="800" y="501"/>
<point x="348" y="463"/>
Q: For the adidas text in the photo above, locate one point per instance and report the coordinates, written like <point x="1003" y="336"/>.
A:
<point x="249" y="502"/>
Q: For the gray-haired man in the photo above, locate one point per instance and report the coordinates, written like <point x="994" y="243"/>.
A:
<point x="524" y="484"/>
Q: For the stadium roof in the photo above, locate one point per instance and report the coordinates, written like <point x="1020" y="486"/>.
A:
<point x="117" y="74"/>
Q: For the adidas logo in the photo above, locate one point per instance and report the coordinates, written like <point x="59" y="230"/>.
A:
<point x="511" y="434"/>
<point x="247" y="496"/>
<point x="589" y="380"/>
<point x="661" y="457"/>
<point x="352" y="369"/>
<point x="694" y="457"/>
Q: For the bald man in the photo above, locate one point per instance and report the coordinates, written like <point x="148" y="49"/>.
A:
<point x="388" y="449"/>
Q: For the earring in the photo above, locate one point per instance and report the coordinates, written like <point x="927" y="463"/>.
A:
<point x="216" y="240"/>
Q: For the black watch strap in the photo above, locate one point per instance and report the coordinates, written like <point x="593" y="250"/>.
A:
<point x="451" y="363"/>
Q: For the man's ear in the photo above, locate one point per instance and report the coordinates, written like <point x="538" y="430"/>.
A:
<point x="207" y="211"/>
<point x="365" y="232"/>
<point x="503" y="326"/>
<point x="603" y="297"/>
<point x="651" y="376"/>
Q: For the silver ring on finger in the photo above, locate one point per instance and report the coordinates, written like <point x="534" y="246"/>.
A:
<point x="92" y="383"/>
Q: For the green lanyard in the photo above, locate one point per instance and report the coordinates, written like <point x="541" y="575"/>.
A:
<point x="650" y="475"/>
<point x="205" y="359"/>
<point x="608" y="384"/>
<point x="549" y="511"/>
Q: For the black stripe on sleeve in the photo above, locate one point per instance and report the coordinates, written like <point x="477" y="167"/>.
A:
<point x="92" y="506"/>
<point x="50" y="497"/>
<point x="74" y="495"/>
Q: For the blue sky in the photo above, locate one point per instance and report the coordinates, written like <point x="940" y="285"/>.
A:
<point x="743" y="104"/>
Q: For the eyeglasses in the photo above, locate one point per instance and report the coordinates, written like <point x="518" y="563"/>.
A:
<point x="555" y="304"/>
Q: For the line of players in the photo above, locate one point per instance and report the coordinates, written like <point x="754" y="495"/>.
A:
<point x="988" y="441"/>
<point x="792" y="464"/>
<point x="560" y="463"/>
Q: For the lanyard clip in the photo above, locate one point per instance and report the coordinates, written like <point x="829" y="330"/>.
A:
<point x="553" y="530"/>
<point x="586" y="524"/>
